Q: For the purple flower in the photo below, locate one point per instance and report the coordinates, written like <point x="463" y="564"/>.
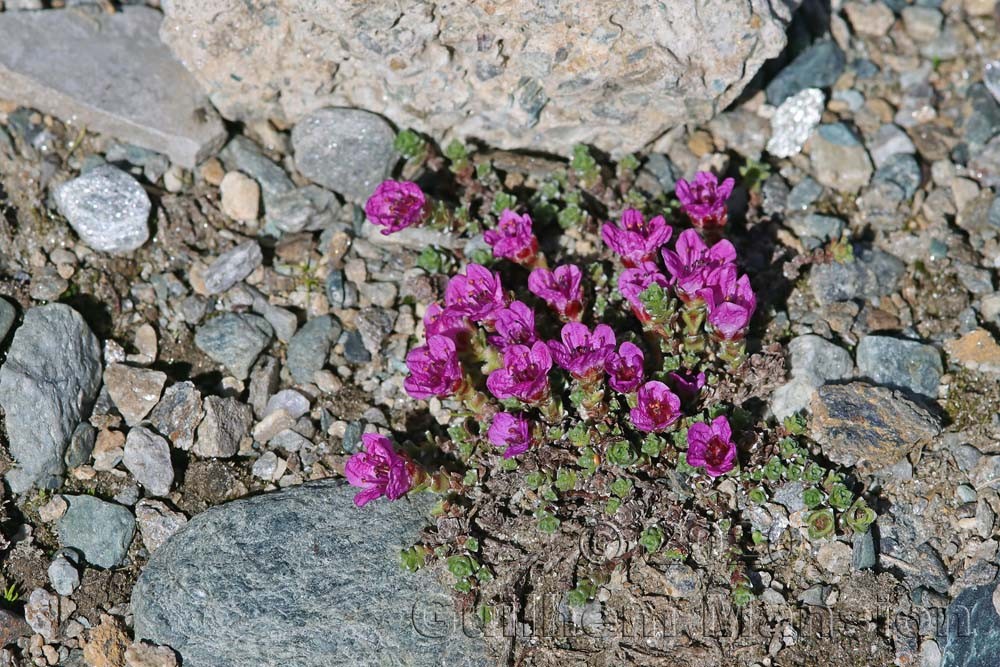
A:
<point x="434" y="369"/>
<point x="395" y="205"/>
<point x="656" y="409"/>
<point x="686" y="384"/>
<point x="730" y="303"/>
<point x="711" y="446"/>
<point x="476" y="293"/>
<point x="636" y="241"/>
<point x="704" y="199"/>
<point x="693" y="260"/>
<point x="378" y="471"/>
<point x="513" y="239"/>
<point x="581" y="352"/>
<point x="625" y="368"/>
<point x="633" y="282"/>
<point x="560" y="289"/>
<point x="512" y="432"/>
<point x="515" y="325"/>
<point x="524" y="374"/>
<point x="447" y="322"/>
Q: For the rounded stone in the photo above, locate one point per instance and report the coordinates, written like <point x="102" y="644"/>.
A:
<point x="349" y="151"/>
<point x="240" y="196"/>
<point x="108" y="208"/>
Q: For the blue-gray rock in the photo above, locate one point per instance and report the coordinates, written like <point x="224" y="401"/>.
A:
<point x="973" y="629"/>
<point x="242" y="154"/>
<point x="339" y="291"/>
<point x="817" y="358"/>
<point x="804" y="194"/>
<point x="7" y="316"/>
<point x="863" y="553"/>
<point x="100" y="530"/>
<point x="349" y="151"/>
<point x="234" y="340"/>
<point x="815" y="229"/>
<point x="352" y="437"/>
<point x="903" y="170"/>
<point x="872" y="273"/>
<point x="902" y="364"/>
<point x="81" y="445"/>
<point x="819" y="66"/>
<point x="232" y="266"/>
<point x="310" y="346"/>
<point x="983" y="121"/>
<point x="663" y="170"/>
<point x="107" y="208"/>
<point x="48" y="384"/>
<point x="299" y="577"/>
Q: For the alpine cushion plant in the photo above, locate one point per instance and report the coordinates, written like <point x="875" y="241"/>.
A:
<point x="704" y="199"/>
<point x="581" y="389"/>
<point x="561" y="289"/>
<point x="637" y="240"/>
<point x="512" y="432"/>
<point x="711" y="446"/>
<point x="396" y="205"/>
<point x="513" y="239"/>
<point x="378" y="471"/>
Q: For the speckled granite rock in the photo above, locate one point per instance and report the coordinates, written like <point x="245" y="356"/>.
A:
<point x="297" y="578"/>
<point x="517" y="74"/>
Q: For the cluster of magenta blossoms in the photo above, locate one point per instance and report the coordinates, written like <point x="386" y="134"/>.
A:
<point x="531" y="363"/>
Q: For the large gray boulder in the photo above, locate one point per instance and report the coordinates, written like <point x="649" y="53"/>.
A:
<point x="300" y="577"/>
<point x="516" y="74"/>
<point x="109" y="73"/>
<point x="47" y="386"/>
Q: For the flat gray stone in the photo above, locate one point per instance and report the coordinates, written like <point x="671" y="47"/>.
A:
<point x="108" y="208"/>
<point x="109" y="73"/>
<point x="349" y="151"/>
<point x="232" y="266"/>
<point x="898" y="363"/>
<point x="100" y="530"/>
<point x="242" y="154"/>
<point x="300" y="577"/>
<point x="234" y="340"/>
<point x="310" y="346"/>
<point x="48" y="384"/>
